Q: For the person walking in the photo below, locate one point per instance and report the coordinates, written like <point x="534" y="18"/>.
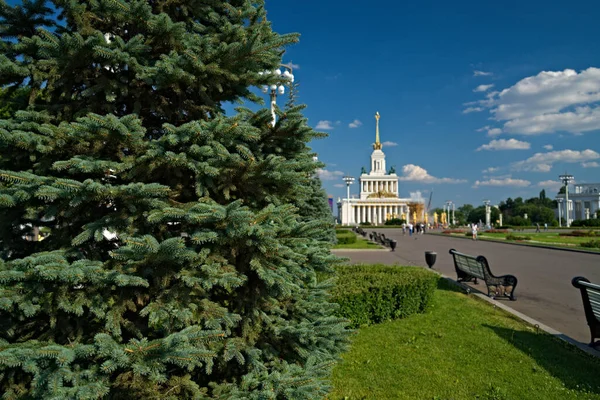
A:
<point x="474" y="231"/>
<point x="545" y="226"/>
<point x="410" y="229"/>
<point x="537" y="227"/>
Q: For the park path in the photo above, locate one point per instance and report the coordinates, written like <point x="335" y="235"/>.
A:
<point x="544" y="290"/>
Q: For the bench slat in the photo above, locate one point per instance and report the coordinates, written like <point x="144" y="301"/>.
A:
<point x="594" y="296"/>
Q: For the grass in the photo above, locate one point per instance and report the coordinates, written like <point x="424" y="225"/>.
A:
<point x="359" y="244"/>
<point x="541" y="239"/>
<point x="463" y="348"/>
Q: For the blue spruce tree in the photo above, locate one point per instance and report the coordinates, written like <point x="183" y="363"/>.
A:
<point x="152" y="247"/>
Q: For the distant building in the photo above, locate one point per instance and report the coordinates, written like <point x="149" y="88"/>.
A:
<point x="584" y="201"/>
<point x="379" y="193"/>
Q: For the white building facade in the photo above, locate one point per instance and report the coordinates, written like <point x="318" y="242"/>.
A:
<point x="584" y="202"/>
<point x="379" y="198"/>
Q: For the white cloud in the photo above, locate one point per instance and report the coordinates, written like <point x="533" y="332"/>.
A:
<point x="590" y="164"/>
<point x="503" y="144"/>
<point x="502" y="182"/>
<point x="389" y="144"/>
<point x="339" y="185"/>
<point x="490" y="131"/>
<point x="472" y="109"/>
<point x="413" y="172"/>
<point x="325" y="125"/>
<point x="416" y="196"/>
<point x="549" y="102"/>
<point x="355" y="124"/>
<point x="548" y="147"/>
<point x="550" y="184"/>
<point x="490" y="170"/>
<point x="482" y="73"/>
<point x="483" y="88"/>
<point x="292" y="65"/>
<point x="326" y="175"/>
<point x="542" y="162"/>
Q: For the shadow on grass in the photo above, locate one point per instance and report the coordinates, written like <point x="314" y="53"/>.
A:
<point x="575" y="369"/>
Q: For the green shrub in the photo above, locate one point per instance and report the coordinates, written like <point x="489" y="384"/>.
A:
<point x="517" y="237"/>
<point x="395" y="221"/>
<point x="578" y="233"/>
<point x="369" y="294"/>
<point x="365" y="223"/>
<point x="345" y="237"/>
<point x="586" y="222"/>
<point x="591" y="244"/>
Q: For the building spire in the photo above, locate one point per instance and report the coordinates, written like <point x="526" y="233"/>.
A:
<point x="377" y="145"/>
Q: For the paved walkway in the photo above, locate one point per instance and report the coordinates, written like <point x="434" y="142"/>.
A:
<point x="544" y="291"/>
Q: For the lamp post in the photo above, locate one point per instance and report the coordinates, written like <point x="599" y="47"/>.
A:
<point x="349" y="181"/>
<point x="287" y="77"/>
<point x="450" y="219"/>
<point x="566" y="179"/>
<point x="559" y="213"/>
<point x="488" y="213"/>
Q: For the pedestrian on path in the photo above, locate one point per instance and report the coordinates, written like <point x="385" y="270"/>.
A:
<point x="545" y="226"/>
<point x="474" y="231"/>
<point x="537" y="227"/>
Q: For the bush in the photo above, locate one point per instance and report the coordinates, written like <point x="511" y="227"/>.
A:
<point x="345" y="237"/>
<point x="449" y="231"/>
<point x="369" y="294"/>
<point x="516" y="237"/>
<point x="497" y="231"/>
<point x="365" y="223"/>
<point x="586" y="222"/>
<point x="395" y="221"/>
<point x="578" y="233"/>
<point x="591" y="244"/>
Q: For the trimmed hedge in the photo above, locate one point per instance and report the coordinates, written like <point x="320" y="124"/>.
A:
<point x="345" y="237"/>
<point x="594" y="222"/>
<point x="578" y="233"/>
<point x="516" y="237"/>
<point x="369" y="294"/>
<point x="593" y="244"/>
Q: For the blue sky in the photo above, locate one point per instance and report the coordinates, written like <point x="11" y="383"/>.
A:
<point x="426" y="66"/>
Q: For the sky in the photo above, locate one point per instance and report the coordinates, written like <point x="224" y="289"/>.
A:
<point x="478" y="100"/>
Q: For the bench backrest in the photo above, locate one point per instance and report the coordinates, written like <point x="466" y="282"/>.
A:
<point x="469" y="264"/>
<point x="591" y="297"/>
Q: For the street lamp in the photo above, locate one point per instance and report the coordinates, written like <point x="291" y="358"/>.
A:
<point x="450" y="220"/>
<point x="282" y="79"/>
<point x="559" y="214"/>
<point x="566" y="179"/>
<point x="349" y="181"/>
<point x="488" y="214"/>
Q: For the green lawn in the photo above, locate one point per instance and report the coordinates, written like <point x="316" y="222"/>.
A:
<point x="359" y="244"/>
<point x="463" y="348"/>
<point x="543" y="239"/>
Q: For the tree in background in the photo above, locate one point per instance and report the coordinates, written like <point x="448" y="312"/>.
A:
<point x="177" y="265"/>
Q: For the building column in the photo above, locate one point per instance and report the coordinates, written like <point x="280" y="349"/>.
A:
<point x="381" y="214"/>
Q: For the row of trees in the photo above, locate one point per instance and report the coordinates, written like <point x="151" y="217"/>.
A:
<point x="516" y="212"/>
<point x="184" y="244"/>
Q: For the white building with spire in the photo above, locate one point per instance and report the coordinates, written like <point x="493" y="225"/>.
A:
<point x="379" y="198"/>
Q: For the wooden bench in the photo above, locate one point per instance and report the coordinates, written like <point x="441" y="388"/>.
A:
<point x="590" y="294"/>
<point x="471" y="268"/>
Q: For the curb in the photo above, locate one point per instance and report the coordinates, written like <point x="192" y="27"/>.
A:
<point x="521" y="244"/>
<point x="353" y="250"/>
<point x="535" y="323"/>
